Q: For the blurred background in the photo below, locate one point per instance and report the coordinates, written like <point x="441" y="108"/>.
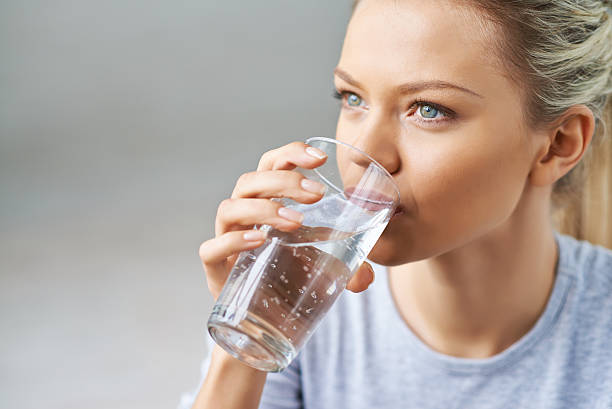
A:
<point x="123" y="124"/>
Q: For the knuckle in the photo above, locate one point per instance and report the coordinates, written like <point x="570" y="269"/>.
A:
<point x="265" y="158"/>
<point x="224" y="205"/>
<point x="243" y="179"/>
<point x="296" y="144"/>
<point x="203" y="251"/>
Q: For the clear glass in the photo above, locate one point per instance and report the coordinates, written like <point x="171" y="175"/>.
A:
<point x="276" y="295"/>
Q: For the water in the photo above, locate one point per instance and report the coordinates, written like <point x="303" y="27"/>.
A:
<point x="277" y="294"/>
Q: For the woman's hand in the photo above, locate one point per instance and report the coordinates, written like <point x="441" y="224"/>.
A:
<point x="249" y="205"/>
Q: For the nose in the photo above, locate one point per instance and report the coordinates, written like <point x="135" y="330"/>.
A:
<point x="378" y="137"/>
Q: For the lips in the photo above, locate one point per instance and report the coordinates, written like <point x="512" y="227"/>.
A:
<point x="399" y="210"/>
<point x="369" y="199"/>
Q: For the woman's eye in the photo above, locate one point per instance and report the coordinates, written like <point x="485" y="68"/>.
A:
<point x="353" y="100"/>
<point x="428" y="111"/>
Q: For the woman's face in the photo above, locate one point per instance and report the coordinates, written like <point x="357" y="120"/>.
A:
<point x="423" y="93"/>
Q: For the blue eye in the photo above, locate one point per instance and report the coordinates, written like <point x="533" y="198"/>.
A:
<point x="353" y="100"/>
<point x="428" y="111"/>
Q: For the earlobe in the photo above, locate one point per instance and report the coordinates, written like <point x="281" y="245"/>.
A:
<point x="565" y="144"/>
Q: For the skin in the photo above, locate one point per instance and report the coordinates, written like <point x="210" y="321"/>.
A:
<point x="473" y="256"/>
<point x="472" y="259"/>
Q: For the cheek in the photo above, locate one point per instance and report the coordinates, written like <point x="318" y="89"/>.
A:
<point x="469" y="180"/>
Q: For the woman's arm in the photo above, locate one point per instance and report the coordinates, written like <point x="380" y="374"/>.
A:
<point x="230" y="384"/>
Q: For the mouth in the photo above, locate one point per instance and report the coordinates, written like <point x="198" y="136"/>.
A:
<point x="399" y="210"/>
<point x="370" y="199"/>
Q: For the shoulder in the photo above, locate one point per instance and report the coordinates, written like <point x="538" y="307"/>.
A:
<point x="587" y="312"/>
<point x="588" y="264"/>
<point x="582" y="341"/>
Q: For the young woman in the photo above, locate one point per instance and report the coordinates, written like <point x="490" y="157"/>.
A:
<point x="485" y="113"/>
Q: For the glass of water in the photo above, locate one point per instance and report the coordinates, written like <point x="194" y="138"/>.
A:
<point x="276" y="294"/>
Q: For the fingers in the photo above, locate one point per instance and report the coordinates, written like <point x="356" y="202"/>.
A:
<point x="278" y="183"/>
<point x="217" y="249"/>
<point x="214" y="254"/>
<point x="291" y="155"/>
<point x="362" y="279"/>
<point x="249" y="205"/>
<point x="238" y="214"/>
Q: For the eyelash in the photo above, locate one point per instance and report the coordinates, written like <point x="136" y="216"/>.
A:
<point x="447" y="113"/>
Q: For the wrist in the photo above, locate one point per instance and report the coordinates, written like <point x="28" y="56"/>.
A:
<point x="223" y="359"/>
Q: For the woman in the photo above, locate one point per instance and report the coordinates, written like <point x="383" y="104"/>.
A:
<point x="484" y="112"/>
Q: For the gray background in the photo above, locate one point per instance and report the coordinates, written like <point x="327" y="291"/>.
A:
<point x="123" y="124"/>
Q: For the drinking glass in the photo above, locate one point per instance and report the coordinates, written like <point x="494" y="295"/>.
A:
<point x="276" y="295"/>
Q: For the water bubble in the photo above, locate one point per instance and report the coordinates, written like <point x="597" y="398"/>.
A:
<point x="272" y="265"/>
<point x="304" y="287"/>
<point x="286" y="300"/>
<point x="305" y="268"/>
<point x="282" y="277"/>
<point x="309" y="275"/>
<point x="289" y="339"/>
<point x="300" y="291"/>
<point x="313" y="294"/>
<point x="294" y="327"/>
<point x="276" y="260"/>
<point x="283" y="314"/>
<point x="270" y="285"/>
<point x="309" y="310"/>
<point x="308" y="331"/>
<point x="251" y="257"/>
<point x="332" y="288"/>
<point x="288" y="292"/>
<point x="265" y="303"/>
<point x="276" y="300"/>
<point x="308" y="258"/>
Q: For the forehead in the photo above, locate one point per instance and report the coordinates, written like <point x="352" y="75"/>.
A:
<point x="428" y="40"/>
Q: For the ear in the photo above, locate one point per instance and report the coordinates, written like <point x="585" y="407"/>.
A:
<point x="563" y="145"/>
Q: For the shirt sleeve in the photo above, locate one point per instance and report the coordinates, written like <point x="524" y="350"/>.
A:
<point x="282" y="390"/>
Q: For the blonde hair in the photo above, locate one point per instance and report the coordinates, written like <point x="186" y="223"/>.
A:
<point x="561" y="52"/>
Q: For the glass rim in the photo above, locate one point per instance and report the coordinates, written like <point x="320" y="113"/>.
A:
<point x="332" y="140"/>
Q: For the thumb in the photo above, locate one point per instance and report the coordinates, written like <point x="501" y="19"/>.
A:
<point x="362" y="279"/>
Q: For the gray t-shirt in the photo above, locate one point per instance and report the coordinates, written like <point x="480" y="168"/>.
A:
<point x="363" y="355"/>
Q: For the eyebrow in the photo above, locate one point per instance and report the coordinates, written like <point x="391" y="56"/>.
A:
<point x="409" y="87"/>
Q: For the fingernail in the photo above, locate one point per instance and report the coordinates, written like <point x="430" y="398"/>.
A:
<point x="317" y="153"/>
<point x="254" y="235"/>
<point x="290" y="214"/>
<point x="312" y="186"/>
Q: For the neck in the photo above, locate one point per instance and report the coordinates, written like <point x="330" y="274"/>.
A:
<point x="477" y="300"/>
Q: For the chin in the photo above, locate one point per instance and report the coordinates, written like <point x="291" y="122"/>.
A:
<point x="389" y="252"/>
<point x="400" y="244"/>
